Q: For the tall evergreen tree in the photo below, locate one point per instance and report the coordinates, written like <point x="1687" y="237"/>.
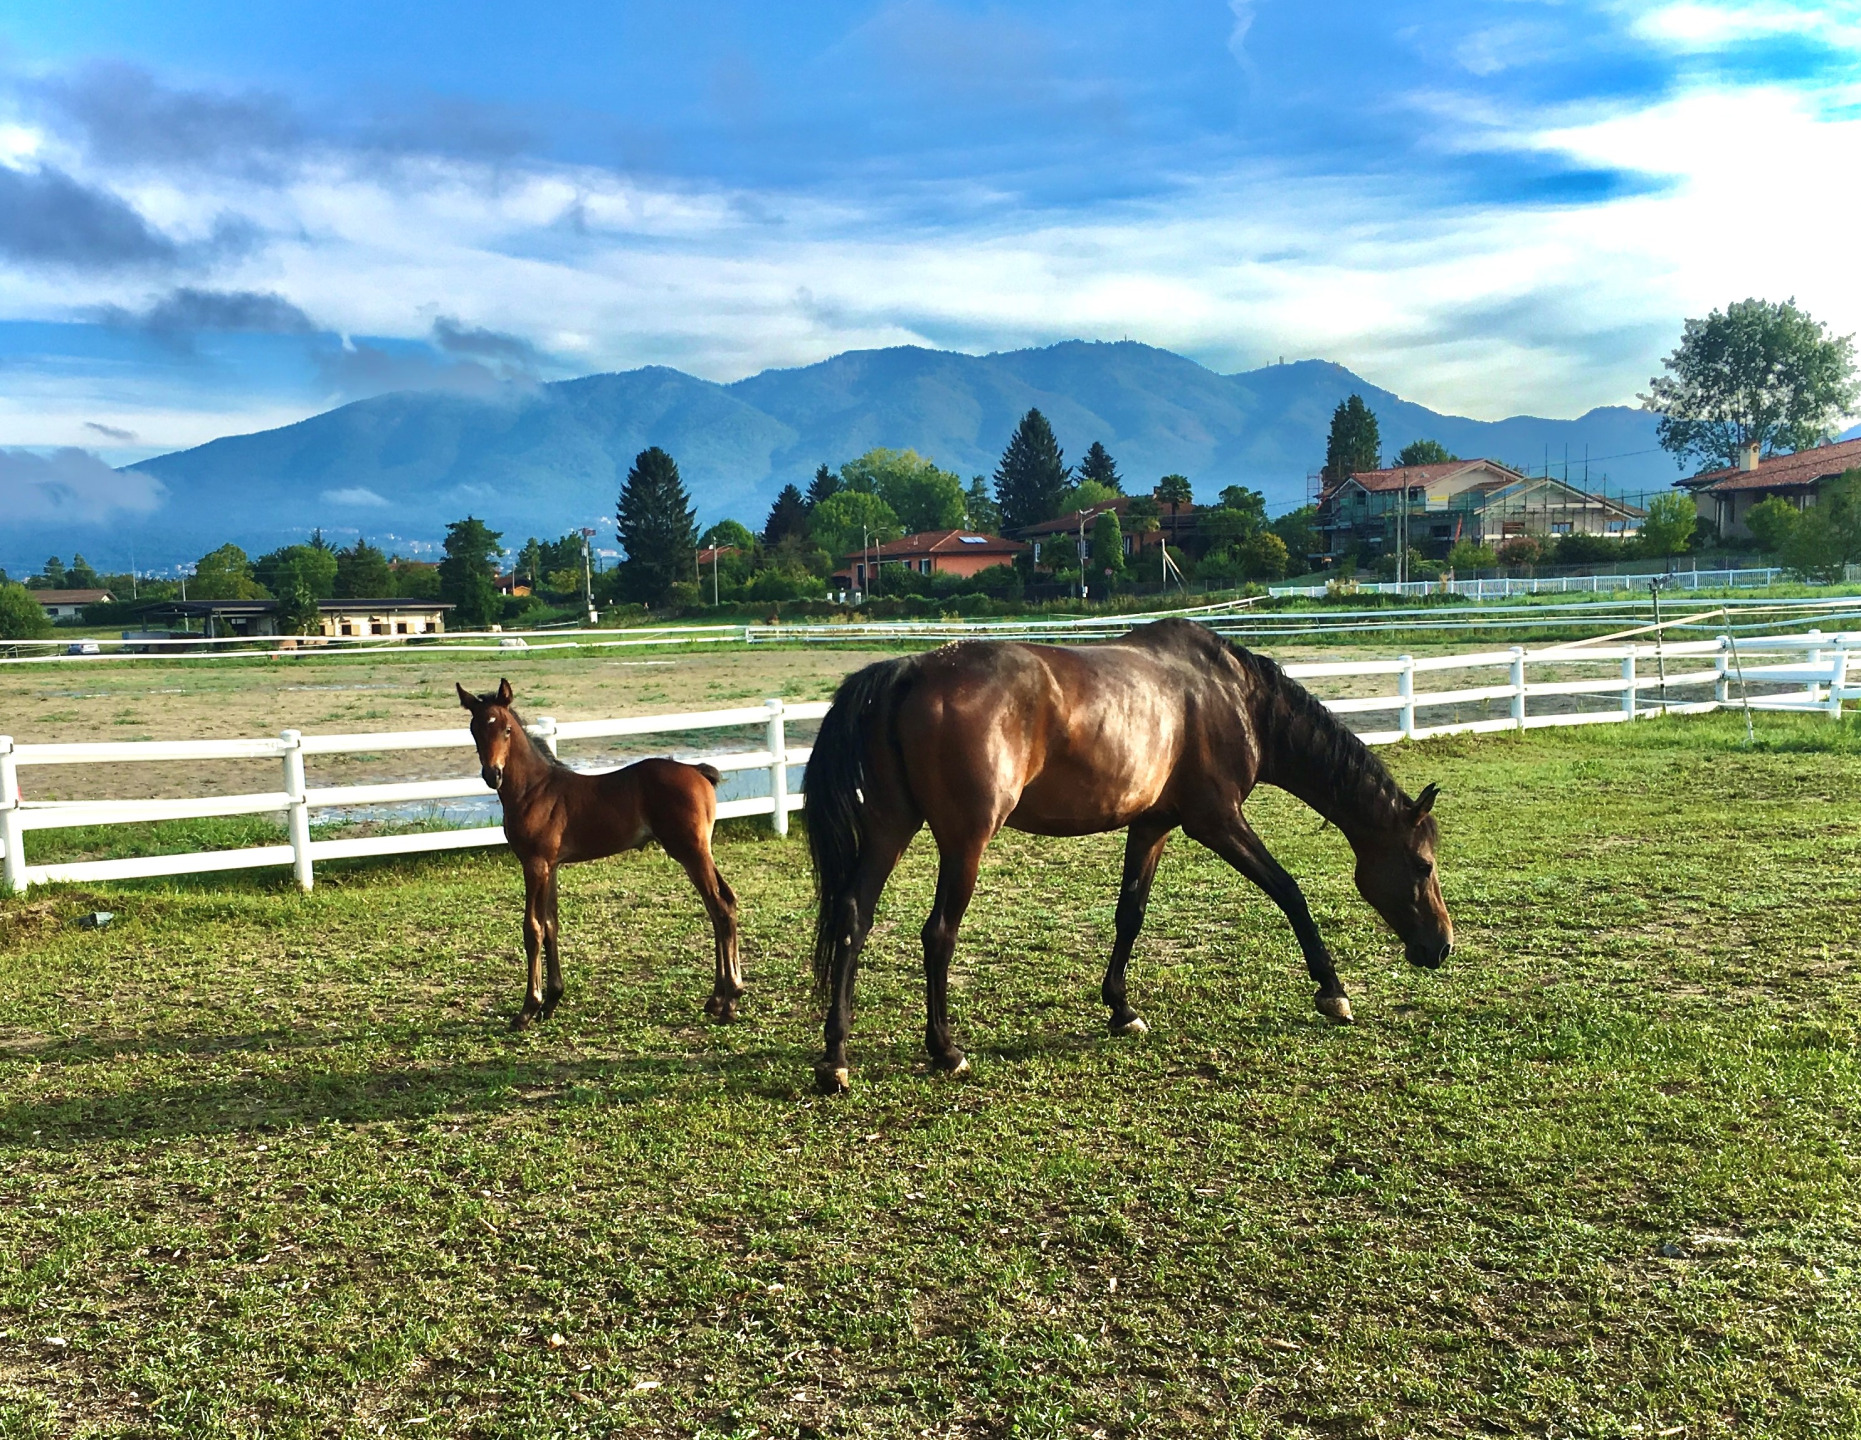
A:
<point x="788" y="516"/>
<point x="52" y="572"/>
<point x="826" y="485"/>
<point x="1353" y="444"/>
<point x="468" y="576"/>
<point x="362" y="573"/>
<point x="1098" y="465"/>
<point x="1032" y="475"/>
<point x="980" y="509"/>
<point x="658" y="528"/>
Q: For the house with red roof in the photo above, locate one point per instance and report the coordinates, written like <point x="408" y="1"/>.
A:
<point x="1724" y="497"/>
<point x="931" y="552"/>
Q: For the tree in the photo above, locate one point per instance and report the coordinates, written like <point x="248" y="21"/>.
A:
<point x="1222" y="526"/>
<point x="658" y="528"/>
<point x="729" y="534"/>
<point x="840" y="523"/>
<point x="224" y="574"/>
<point x="1107" y="547"/>
<point x="1668" y="528"/>
<point x="1032" y="474"/>
<point x="1175" y="492"/>
<point x="1827" y="536"/>
<point x="1099" y="466"/>
<point x="788" y="516"/>
<point x="1353" y="444"/>
<point x="826" y="485"/>
<point x="1469" y="555"/>
<point x="979" y="509"/>
<point x="1757" y="374"/>
<point x="921" y="496"/>
<point x="468" y="574"/>
<point x="1263" y="556"/>
<point x="80" y="576"/>
<point x="1250" y="504"/>
<point x="1298" y="528"/>
<point x="1086" y="495"/>
<point x="22" y="617"/>
<point x="362" y="572"/>
<point x="1424" y="452"/>
<point x="297" y="607"/>
<point x="52" y="575"/>
<point x="1521" y="550"/>
<point x="1143" y="515"/>
<point x="314" y="566"/>
<point x="1771" y="522"/>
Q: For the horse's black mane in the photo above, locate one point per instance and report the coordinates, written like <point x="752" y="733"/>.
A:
<point x="1295" y="729"/>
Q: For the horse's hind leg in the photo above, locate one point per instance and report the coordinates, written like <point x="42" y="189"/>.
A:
<point x="1143" y="847"/>
<point x="552" y="947"/>
<point x="720" y="903"/>
<point x="956" y="883"/>
<point x="852" y="913"/>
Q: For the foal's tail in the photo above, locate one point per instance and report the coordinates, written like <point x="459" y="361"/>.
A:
<point x="834" y="799"/>
<point x="710" y="772"/>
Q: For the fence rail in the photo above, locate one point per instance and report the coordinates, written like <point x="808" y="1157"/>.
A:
<point x="1498" y="589"/>
<point x="1794" y="672"/>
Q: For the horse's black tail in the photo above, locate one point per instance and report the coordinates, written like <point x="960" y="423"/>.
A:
<point x="834" y="798"/>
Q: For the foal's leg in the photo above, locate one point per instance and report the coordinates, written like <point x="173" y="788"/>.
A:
<point x="1143" y="847"/>
<point x="536" y="873"/>
<point x="720" y="903"/>
<point x="1234" y="840"/>
<point x="956" y="883"/>
<point x="852" y="913"/>
<point x="552" y="947"/>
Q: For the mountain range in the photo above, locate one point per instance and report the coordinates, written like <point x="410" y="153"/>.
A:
<point x="542" y="459"/>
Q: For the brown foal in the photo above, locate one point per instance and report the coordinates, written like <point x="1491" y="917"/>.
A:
<point x="1167" y="726"/>
<point x="554" y="815"/>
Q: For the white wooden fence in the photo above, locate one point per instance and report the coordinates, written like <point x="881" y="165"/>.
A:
<point x="1791" y="672"/>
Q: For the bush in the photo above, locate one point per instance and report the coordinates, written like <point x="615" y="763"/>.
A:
<point x="21" y="616"/>
<point x="1772" y="521"/>
<point x="1470" y="555"/>
<point x="1523" y="550"/>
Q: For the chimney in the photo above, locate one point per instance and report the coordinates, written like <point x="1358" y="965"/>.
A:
<point x="1747" y="456"/>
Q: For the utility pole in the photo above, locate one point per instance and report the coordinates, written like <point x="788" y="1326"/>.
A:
<point x="588" y="578"/>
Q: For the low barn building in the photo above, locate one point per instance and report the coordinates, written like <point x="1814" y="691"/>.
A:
<point x="1724" y="497"/>
<point x="340" y="619"/>
<point x="69" y="604"/>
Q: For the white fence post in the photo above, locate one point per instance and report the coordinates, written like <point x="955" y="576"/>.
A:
<point x="1816" y="658"/>
<point x="777" y="745"/>
<point x="11" y="836"/>
<point x="1628" y="684"/>
<point x="1518" y="686"/>
<point x="1838" y="682"/>
<point x="1405" y="689"/>
<point x="1722" y="687"/>
<point x="545" y="730"/>
<point x="297" y="815"/>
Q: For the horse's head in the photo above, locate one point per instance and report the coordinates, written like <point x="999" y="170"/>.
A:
<point x="494" y="729"/>
<point x="1396" y="874"/>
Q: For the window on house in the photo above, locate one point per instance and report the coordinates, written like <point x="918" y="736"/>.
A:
<point x="400" y="627"/>
<point x="1614" y="527"/>
<point x="1560" y="527"/>
<point x="347" y="628"/>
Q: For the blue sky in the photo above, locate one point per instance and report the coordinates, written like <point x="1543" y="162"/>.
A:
<point x="219" y="217"/>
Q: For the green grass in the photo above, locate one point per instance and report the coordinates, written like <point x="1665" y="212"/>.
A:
<point x="272" y="1165"/>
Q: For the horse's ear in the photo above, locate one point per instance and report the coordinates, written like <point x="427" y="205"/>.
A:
<point x="466" y="698"/>
<point x="504" y="692"/>
<point x="1425" y="801"/>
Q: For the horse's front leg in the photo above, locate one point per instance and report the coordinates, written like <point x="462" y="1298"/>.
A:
<point x="1234" y="840"/>
<point x="535" y="896"/>
<point x="1143" y="847"/>
<point x="552" y="946"/>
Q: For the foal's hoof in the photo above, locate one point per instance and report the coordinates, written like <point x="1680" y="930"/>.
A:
<point x="721" y="1010"/>
<point x="950" y="1067"/>
<point x="834" y="1081"/>
<point x="1335" y="1008"/>
<point x="1134" y="1026"/>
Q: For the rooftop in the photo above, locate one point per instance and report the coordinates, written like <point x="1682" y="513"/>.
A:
<point x="1805" y="467"/>
<point x="946" y="542"/>
<point x="72" y="597"/>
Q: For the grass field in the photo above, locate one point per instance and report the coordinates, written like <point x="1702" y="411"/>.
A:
<point x="271" y="1164"/>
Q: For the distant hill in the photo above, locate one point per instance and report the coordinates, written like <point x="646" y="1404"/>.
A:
<point x="539" y="461"/>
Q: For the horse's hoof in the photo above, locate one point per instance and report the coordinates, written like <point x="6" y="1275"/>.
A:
<point x="945" y="1068"/>
<point x="832" y="1082"/>
<point x="521" y="1020"/>
<point x="1335" y="1008"/>
<point x="1134" y="1026"/>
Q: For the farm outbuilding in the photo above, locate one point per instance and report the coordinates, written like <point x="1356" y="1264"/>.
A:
<point x="340" y="619"/>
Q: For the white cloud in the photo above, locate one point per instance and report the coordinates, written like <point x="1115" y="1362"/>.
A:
<point x="355" y="495"/>
<point x="72" y="486"/>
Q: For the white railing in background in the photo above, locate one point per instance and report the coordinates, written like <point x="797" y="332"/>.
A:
<point x="1550" y="585"/>
<point x="1815" y="672"/>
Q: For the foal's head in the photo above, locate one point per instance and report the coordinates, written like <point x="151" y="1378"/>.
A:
<point x="495" y="728"/>
<point x="1396" y="874"/>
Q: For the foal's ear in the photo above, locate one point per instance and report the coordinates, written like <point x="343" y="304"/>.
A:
<point x="1425" y="801"/>
<point x="466" y="698"/>
<point x="504" y="692"/>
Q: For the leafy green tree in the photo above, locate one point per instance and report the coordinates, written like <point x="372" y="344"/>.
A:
<point x="1772" y="521"/>
<point x="728" y="534"/>
<point x="1425" y="452"/>
<point x="1032" y="474"/>
<point x="1107" y="558"/>
<point x="52" y="575"/>
<point x="468" y="574"/>
<point x="1263" y="556"/>
<point x="22" y="617"/>
<point x="788" y="516"/>
<point x="413" y="579"/>
<point x="1466" y="556"/>
<point x="658" y="529"/>
<point x="297" y="607"/>
<point x="1085" y="495"/>
<point x="1298" y="528"/>
<point x="1521" y="550"/>
<point x="314" y="566"/>
<point x="825" y="486"/>
<point x="1098" y="466"/>
<point x="921" y="496"/>
<point x="842" y="521"/>
<point x="1353" y="444"/>
<point x="224" y="574"/>
<point x="1669" y="526"/>
<point x="980" y="512"/>
<point x="1250" y="503"/>
<point x="1756" y="374"/>
<point x="1827" y="535"/>
<point x="362" y="573"/>
<point x="80" y="576"/>
<point x="1223" y="526"/>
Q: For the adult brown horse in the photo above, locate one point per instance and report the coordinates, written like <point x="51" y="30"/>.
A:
<point x="1168" y="726"/>
<point x="555" y="816"/>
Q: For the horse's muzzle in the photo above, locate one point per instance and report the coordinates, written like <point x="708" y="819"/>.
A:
<point x="1428" y="955"/>
<point x="492" y="775"/>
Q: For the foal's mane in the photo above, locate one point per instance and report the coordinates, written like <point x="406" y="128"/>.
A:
<point x="540" y="751"/>
<point x="1302" y="741"/>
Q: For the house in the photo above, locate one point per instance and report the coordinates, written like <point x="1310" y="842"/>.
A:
<point x="1724" y="497"/>
<point x="342" y="619"/>
<point x="69" y="604"/>
<point x="509" y="584"/>
<point x="1178" y="528"/>
<point x="932" y="552"/>
<point x="1479" y="500"/>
